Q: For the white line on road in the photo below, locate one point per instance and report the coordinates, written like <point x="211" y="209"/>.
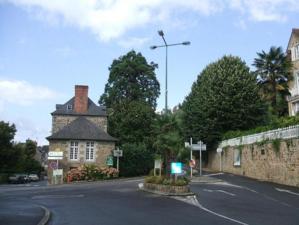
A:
<point x="287" y="191"/>
<point x="222" y="191"/>
<point x="57" y="196"/>
<point x="213" y="174"/>
<point x="217" y="214"/>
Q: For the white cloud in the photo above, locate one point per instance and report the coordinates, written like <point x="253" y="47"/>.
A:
<point x="65" y="51"/>
<point x="23" y="93"/>
<point x="110" y="19"/>
<point x="133" y="42"/>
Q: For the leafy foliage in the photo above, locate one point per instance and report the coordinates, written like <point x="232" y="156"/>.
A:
<point x="274" y="71"/>
<point x="224" y="97"/>
<point x="274" y="124"/>
<point x="136" y="160"/>
<point x="131" y="78"/>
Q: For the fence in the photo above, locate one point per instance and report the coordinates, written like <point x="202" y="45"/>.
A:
<point x="281" y="133"/>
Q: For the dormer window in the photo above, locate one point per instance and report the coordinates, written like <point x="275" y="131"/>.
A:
<point x="69" y="107"/>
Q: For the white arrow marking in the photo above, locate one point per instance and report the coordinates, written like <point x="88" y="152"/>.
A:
<point x="225" y="192"/>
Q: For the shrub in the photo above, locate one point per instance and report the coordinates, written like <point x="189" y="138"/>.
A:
<point x="137" y="160"/>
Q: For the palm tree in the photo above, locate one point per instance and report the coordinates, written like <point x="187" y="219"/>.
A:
<point x="274" y="71"/>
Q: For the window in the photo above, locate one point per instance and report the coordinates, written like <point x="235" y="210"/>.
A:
<point x="295" y="52"/>
<point x="69" y="107"/>
<point x="237" y="157"/>
<point x="89" y="154"/>
<point x="74" y="150"/>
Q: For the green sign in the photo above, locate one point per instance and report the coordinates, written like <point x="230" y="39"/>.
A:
<point x="109" y="160"/>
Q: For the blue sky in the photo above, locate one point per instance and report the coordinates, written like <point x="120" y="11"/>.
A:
<point x="46" y="47"/>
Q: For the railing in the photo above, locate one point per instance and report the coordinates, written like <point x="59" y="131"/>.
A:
<point x="281" y="133"/>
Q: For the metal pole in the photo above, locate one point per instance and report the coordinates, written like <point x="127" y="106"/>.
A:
<point x="191" y="157"/>
<point x="200" y="144"/>
<point x="166" y="80"/>
<point x="117" y="165"/>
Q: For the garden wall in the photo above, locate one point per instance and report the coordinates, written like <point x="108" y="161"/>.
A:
<point x="276" y="161"/>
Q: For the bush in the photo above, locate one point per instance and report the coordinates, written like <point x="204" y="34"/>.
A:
<point x="91" y="172"/>
<point x="137" y="160"/>
<point x="274" y="124"/>
<point x="181" y="181"/>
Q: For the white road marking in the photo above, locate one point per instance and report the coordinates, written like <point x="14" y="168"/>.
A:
<point x="193" y="201"/>
<point x="57" y="196"/>
<point x="222" y="191"/>
<point x="287" y="191"/>
<point x="213" y="174"/>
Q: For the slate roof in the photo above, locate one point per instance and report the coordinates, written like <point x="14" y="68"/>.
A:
<point x="92" y="110"/>
<point x="81" y="129"/>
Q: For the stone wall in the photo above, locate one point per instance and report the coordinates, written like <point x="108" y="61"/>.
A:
<point x="101" y="151"/>
<point x="276" y="161"/>
<point x="60" y="121"/>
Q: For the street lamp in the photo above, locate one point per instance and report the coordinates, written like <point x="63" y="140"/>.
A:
<point x="161" y="33"/>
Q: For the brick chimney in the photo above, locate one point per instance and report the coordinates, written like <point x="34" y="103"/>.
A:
<point x="81" y="99"/>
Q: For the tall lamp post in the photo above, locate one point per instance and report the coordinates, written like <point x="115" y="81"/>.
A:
<point x="161" y="33"/>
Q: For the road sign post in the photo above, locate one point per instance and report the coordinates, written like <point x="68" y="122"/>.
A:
<point x="219" y="151"/>
<point x="117" y="153"/>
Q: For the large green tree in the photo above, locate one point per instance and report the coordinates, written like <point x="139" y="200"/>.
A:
<point x="131" y="78"/>
<point x="274" y="71"/>
<point x="224" y="97"/>
<point x="131" y="97"/>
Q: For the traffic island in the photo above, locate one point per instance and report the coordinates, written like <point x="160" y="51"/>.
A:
<point x="166" y="186"/>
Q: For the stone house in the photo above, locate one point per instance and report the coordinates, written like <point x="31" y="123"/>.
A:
<point x="79" y="130"/>
<point x="293" y="52"/>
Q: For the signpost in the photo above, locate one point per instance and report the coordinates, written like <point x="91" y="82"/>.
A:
<point x="57" y="174"/>
<point x="200" y="146"/>
<point x="158" y="165"/>
<point x="219" y="151"/>
<point x="117" y="153"/>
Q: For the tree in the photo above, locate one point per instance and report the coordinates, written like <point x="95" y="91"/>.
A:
<point x="169" y="141"/>
<point x="274" y="71"/>
<point x="7" y="153"/>
<point x="131" y="78"/>
<point x="130" y="95"/>
<point x="224" y="97"/>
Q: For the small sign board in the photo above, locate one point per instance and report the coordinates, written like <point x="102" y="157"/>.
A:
<point x="198" y="147"/>
<point x="58" y="172"/>
<point x="55" y="155"/>
<point x="109" y="160"/>
<point x="118" y="153"/>
<point x="158" y="163"/>
<point x="176" y="168"/>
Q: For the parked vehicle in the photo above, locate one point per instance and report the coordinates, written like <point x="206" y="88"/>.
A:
<point x="33" y="177"/>
<point x="19" y="178"/>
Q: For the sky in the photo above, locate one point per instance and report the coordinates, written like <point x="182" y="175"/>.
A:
<point x="48" y="46"/>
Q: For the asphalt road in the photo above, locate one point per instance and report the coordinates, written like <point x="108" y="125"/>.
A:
<point x="236" y="200"/>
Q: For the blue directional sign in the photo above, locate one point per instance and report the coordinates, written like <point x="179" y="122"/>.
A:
<point x="176" y="167"/>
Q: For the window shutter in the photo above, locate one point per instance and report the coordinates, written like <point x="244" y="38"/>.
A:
<point x="293" y="53"/>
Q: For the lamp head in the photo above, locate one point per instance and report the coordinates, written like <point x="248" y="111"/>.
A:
<point x="186" y="43"/>
<point x="153" y="47"/>
<point x="161" y="33"/>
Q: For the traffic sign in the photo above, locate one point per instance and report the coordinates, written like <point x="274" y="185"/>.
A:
<point x="198" y="147"/>
<point x="53" y="165"/>
<point x="192" y="163"/>
<point x="118" y="153"/>
<point x="53" y="155"/>
<point x="176" y="167"/>
<point x="109" y="160"/>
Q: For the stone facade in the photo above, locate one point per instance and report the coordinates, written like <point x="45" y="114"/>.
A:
<point x="293" y="52"/>
<point x="101" y="151"/>
<point x="275" y="161"/>
<point x="60" y="121"/>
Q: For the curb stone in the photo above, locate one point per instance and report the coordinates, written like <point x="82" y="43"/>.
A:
<point x="140" y="186"/>
<point x="46" y="216"/>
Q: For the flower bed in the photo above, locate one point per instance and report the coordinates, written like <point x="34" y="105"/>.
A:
<point x="91" y="172"/>
<point x="167" y="185"/>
